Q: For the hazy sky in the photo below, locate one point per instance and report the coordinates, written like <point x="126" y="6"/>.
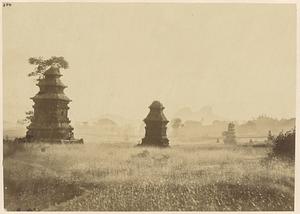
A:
<point x="238" y="58"/>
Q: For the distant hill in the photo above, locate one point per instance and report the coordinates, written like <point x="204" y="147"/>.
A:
<point x="106" y="122"/>
<point x="262" y="124"/>
<point x="205" y="115"/>
<point x="259" y="127"/>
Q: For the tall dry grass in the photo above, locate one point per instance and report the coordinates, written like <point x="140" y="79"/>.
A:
<point x="123" y="177"/>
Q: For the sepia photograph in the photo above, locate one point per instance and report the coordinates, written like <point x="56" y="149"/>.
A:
<point x="148" y="106"/>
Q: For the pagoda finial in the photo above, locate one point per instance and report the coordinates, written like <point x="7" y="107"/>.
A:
<point x="156" y="105"/>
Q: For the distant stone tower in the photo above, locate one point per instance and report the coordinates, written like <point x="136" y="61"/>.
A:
<point x="270" y="136"/>
<point x="229" y="135"/>
<point x="50" y="120"/>
<point x="156" y="127"/>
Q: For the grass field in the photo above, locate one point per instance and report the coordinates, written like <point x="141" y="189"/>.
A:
<point x="121" y="177"/>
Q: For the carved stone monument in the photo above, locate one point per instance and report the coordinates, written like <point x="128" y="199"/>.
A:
<point x="156" y="127"/>
<point x="50" y="119"/>
<point x="229" y="135"/>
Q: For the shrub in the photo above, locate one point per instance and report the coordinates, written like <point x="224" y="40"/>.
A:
<point x="284" y="145"/>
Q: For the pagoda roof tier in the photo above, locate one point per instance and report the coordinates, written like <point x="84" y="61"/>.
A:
<point x="53" y="96"/>
<point x="156" y="105"/>
<point x="51" y="126"/>
<point x="160" y="117"/>
<point x="53" y="71"/>
<point x="156" y="112"/>
<point x="56" y="121"/>
<point x="51" y="82"/>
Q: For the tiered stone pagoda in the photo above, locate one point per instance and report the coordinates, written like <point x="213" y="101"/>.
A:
<point x="50" y="120"/>
<point x="156" y="127"/>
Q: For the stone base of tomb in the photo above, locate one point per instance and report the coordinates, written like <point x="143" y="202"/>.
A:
<point x="162" y="142"/>
<point x="74" y="141"/>
<point x="53" y="141"/>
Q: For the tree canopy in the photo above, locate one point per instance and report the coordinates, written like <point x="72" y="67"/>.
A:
<point x="284" y="145"/>
<point x="43" y="64"/>
<point x="176" y="123"/>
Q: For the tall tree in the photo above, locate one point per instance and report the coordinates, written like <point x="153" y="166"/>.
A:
<point x="41" y="65"/>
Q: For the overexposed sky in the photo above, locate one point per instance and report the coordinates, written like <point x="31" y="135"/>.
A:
<point x="238" y="58"/>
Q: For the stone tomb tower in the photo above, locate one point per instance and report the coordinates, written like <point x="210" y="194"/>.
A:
<point x="50" y="120"/>
<point x="156" y="126"/>
<point x="229" y="135"/>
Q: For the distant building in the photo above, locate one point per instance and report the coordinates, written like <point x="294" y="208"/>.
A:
<point x="156" y="126"/>
<point x="270" y="136"/>
<point x="229" y="135"/>
<point x="50" y="119"/>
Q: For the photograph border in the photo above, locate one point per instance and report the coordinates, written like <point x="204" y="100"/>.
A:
<point x="297" y="158"/>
